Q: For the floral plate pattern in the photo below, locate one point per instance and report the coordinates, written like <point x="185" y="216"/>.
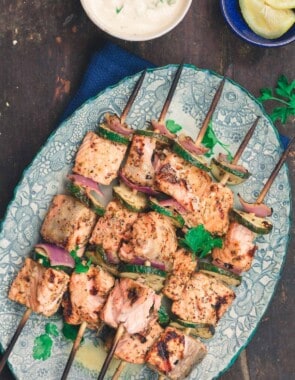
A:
<point x="45" y="177"/>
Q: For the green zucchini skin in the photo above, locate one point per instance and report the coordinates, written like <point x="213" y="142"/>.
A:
<point x="162" y="139"/>
<point x="260" y="226"/>
<point x="236" y="177"/>
<point x="202" y="330"/>
<point x="176" y="218"/>
<point x="221" y="274"/>
<point x="199" y="162"/>
<point x="133" y="201"/>
<point x="106" y="133"/>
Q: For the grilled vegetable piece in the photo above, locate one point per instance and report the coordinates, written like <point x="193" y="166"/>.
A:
<point x="152" y="277"/>
<point x="105" y="132"/>
<point x="112" y="228"/>
<point x="238" y="249"/>
<point x="184" y="264"/>
<point x="176" y="218"/>
<point x="236" y="174"/>
<point x="86" y="296"/>
<point x="221" y="274"/>
<point x="254" y="223"/>
<point x="68" y="223"/>
<point x="152" y="238"/>
<point x="131" y="305"/>
<point x="98" y="257"/>
<point x="133" y="348"/>
<point x="139" y="167"/>
<point x="203" y="300"/>
<point x="131" y="199"/>
<point x="99" y="159"/>
<point x="181" y="180"/>
<point x="196" y="160"/>
<point x="175" y="354"/>
<point x="39" y="288"/>
<point x="87" y="192"/>
<point x="161" y="139"/>
<point x="50" y="255"/>
<point x="202" y="330"/>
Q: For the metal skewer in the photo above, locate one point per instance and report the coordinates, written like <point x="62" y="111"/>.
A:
<point x="241" y="149"/>
<point x="212" y="107"/>
<point x="19" y="329"/>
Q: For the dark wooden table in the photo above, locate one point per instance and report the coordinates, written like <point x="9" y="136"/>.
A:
<point x="45" y="47"/>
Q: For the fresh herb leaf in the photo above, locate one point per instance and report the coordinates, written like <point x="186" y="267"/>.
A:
<point x="172" y="126"/>
<point x="284" y="94"/>
<point x="42" y="347"/>
<point x="80" y="265"/>
<point x="210" y="141"/>
<point x="118" y="9"/>
<point x="200" y="241"/>
<point x="163" y="316"/>
<point x="70" y="331"/>
<point x="51" y="329"/>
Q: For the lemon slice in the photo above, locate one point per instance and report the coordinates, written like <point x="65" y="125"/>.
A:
<point x="281" y="4"/>
<point x="265" y="20"/>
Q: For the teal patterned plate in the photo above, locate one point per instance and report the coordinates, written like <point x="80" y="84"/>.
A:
<point x="45" y="177"/>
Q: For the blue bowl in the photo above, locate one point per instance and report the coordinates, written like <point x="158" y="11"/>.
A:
<point x="232" y="14"/>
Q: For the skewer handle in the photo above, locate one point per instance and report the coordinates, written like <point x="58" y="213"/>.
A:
<point x="20" y="326"/>
<point x="212" y="107"/>
<point x="119" y="370"/>
<point x="119" y="333"/>
<point x="75" y="347"/>
<point x="132" y="98"/>
<point x="170" y="94"/>
<point x="274" y="173"/>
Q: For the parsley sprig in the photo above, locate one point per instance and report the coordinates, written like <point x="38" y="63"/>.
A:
<point x="81" y="266"/>
<point x="284" y="94"/>
<point x="200" y="241"/>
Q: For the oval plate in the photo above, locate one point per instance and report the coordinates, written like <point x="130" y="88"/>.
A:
<point x="45" y="177"/>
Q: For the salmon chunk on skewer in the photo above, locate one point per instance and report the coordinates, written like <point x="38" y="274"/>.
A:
<point x="110" y="229"/>
<point x="86" y="296"/>
<point x="152" y="238"/>
<point x="38" y="288"/>
<point x="68" y="223"/>
<point x="130" y="304"/>
<point x="203" y="300"/>
<point x="175" y="354"/>
<point x="238" y="249"/>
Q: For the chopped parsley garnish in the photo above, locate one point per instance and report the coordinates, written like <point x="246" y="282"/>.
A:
<point x="210" y="140"/>
<point x="70" y="331"/>
<point x="81" y="266"/>
<point x="43" y="343"/>
<point x="118" y="9"/>
<point x="172" y="126"/>
<point x="163" y="316"/>
<point x="199" y="241"/>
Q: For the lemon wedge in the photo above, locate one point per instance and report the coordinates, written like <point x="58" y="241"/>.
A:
<point x="265" y="20"/>
<point x="281" y="4"/>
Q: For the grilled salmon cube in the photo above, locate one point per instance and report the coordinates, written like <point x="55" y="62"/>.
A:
<point x="39" y="288"/>
<point x="139" y="167"/>
<point x="99" y="159"/>
<point x="238" y="249"/>
<point x="152" y="238"/>
<point x="112" y="228"/>
<point x="203" y="300"/>
<point x="86" y="296"/>
<point x="184" y="264"/>
<point x="130" y="304"/>
<point x="182" y="181"/>
<point x="175" y="354"/>
<point x="132" y="348"/>
<point x="68" y="223"/>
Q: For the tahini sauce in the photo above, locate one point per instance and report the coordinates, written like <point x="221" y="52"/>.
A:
<point x="137" y="17"/>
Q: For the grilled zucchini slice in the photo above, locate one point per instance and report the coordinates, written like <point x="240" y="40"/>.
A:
<point x="98" y="257"/>
<point x="152" y="277"/>
<point x="131" y="199"/>
<point x="202" y="330"/>
<point x="221" y="274"/>
<point x="162" y="139"/>
<point x="219" y="169"/>
<point x="260" y="226"/>
<point x="195" y="160"/>
<point x="106" y="133"/>
<point x="167" y="211"/>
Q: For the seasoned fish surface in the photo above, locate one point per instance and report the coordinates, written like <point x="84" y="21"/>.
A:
<point x="39" y="288"/>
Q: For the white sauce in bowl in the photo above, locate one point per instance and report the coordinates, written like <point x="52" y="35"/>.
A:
<point x="136" y="20"/>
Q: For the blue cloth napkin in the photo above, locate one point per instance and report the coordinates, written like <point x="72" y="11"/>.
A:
<point x="107" y="67"/>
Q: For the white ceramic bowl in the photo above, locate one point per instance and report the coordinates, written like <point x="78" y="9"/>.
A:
<point x="146" y="19"/>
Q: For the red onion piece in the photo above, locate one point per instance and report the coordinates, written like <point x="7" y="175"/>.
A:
<point x="154" y="264"/>
<point x="114" y="123"/>
<point x="143" y="189"/>
<point x="161" y="128"/>
<point x="188" y="143"/>
<point x="259" y="209"/>
<point x="174" y="204"/>
<point x="57" y="255"/>
<point x="112" y="258"/>
<point x="85" y="182"/>
<point x="225" y="266"/>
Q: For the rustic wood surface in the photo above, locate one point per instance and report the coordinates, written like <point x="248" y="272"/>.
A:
<point x="45" y="47"/>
